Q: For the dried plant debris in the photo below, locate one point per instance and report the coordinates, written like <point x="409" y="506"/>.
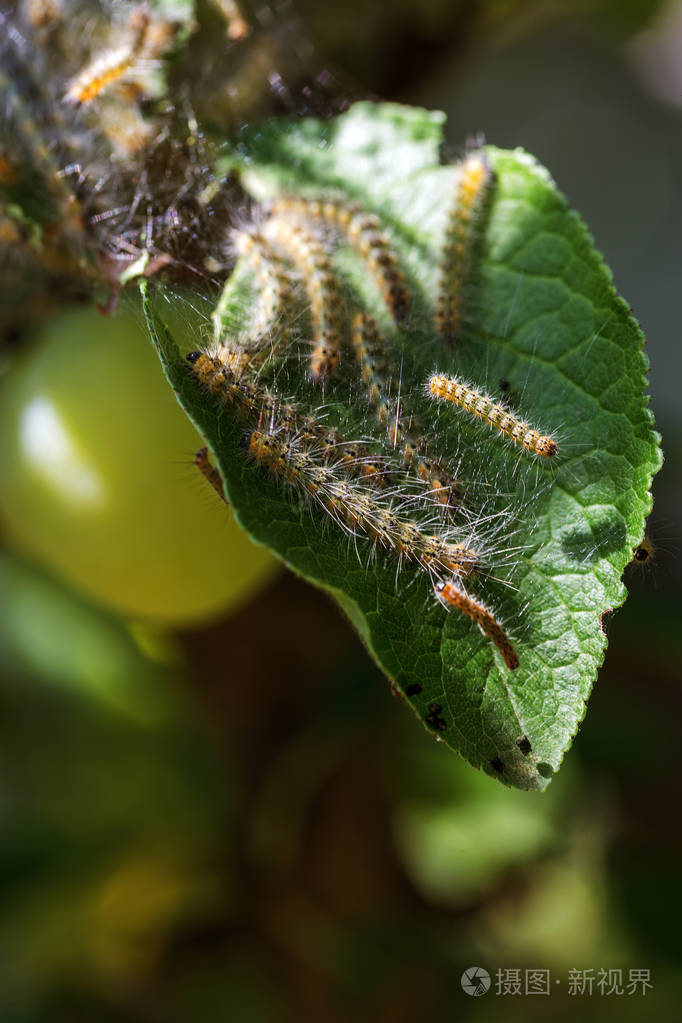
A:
<point x="114" y="116"/>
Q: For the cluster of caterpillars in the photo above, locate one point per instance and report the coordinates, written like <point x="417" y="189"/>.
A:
<point x="289" y="254"/>
<point x="92" y="133"/>
<point x="104" y="174"/>
<point x="56" y="123"/>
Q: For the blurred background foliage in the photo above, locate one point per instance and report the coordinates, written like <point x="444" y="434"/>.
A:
<point x="238" y="820"/>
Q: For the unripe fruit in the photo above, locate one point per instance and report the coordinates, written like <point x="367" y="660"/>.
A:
<point x="97" y="481"/>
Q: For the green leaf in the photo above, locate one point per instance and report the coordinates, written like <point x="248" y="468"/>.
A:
<point x="548" y="328"/>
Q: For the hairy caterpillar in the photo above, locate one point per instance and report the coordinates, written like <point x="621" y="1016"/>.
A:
<point x="110" y="66"/>
<point x="452" y="390"/>
<point x="309" y="256"/>
<point x="260" y="404"/>
<point x="473" y="184"/>
<point x="452" y="595"/>
<point x="392" y="415"/>
<point x="363" y="231"/>
<point x="270" y="324"/>
<point x="356" y="510"/>
<point x="209" y="472"/>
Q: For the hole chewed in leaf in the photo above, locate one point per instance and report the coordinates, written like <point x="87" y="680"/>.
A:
<point x="524" y="745"/>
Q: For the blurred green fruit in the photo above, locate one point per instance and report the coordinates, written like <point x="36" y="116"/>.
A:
<point x="97" y="481"/>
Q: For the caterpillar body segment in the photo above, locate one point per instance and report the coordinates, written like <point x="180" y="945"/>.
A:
<point x="259" y="405"/>
<point x="462" y="232"/>
<point x="270" y="328"/>
<point x="236" y="358"/>
<point x="109" y="67"/>
<point x="417" y="456"/>
<point x="450" y="389"/>
<point x="363" y="232"/>
<point x="209" y="472"/>
<point x="374" y="364"/>
<point x="148" y="39"/>
<point x="442" y="484"/>
<point x="98" y="76"/>
<point x="305" y="250"/>
<point x="357" y="510"/>
<point x="452" y="595"/>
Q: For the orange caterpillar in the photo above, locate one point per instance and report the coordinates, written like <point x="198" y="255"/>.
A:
<point x="209" y="472"/>
<point x="473" y="185"/>
<point x="357" y="511"/>
<point x="364" y="233"/>
<point x="450" y="389"/>
<point x="450" y="594"/>
<point x="308" y="254"/>
<point x="110" y="66"/>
